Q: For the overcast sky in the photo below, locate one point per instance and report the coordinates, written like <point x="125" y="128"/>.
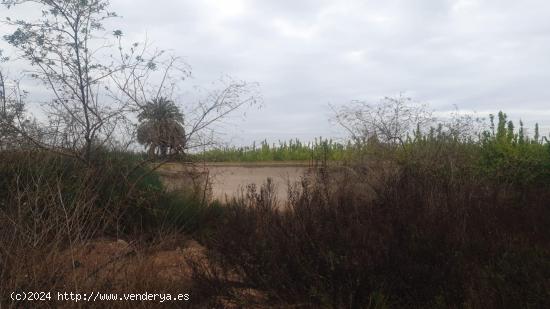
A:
<point x="478" y="55"/>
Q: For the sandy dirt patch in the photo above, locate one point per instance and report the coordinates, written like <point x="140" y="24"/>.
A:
<point x="230" y="180"/>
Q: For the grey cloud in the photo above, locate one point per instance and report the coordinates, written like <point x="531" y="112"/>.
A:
<point x="478" y="55"/>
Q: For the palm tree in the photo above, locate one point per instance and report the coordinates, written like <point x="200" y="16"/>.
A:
<point x="161" y="127"/>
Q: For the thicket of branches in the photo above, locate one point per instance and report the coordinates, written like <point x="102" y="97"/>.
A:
<point x="439" y="217"/>
<point x="99" y="85"/>
<point x="71" y="169"/>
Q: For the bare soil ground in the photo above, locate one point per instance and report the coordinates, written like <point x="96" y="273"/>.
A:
<point x="228" y="180"/>
<point x="112" y="266"/>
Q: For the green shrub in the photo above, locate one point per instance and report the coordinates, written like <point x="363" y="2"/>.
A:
<point x="189" y="214"/>
<point x="293" y="150"/>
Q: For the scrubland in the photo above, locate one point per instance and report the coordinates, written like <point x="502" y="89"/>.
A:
<point x="439" y="221"/>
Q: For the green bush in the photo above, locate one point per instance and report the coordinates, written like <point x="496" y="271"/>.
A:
<point x="189" y="214"/>
<point x="293" y="150"/>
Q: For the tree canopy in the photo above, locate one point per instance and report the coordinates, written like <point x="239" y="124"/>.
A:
<point x="161" y="127"/>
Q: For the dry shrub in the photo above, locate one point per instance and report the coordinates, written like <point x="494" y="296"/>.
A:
<point x="425" y="236"/>
<point x="60" y="219"/>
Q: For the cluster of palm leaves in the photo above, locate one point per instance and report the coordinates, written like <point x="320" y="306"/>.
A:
<point x="161" y="128"/>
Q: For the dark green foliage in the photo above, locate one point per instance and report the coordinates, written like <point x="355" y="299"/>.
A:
<point x="113" y="192"/>
<point x="118" y="194"/>
<point x="189" y="214"/>
<point x="160" y="109"/>
<point x="514" y="158"/>
<point x="161" y="127"/>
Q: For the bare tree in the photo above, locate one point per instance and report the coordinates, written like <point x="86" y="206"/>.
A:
<point x="162" y="79"/>
<point x="99" y="85"/>
<point x="389" y="121"/>
<point x="65" y="47"/>
<point x="206" y="115"/>
<point x="12" y="111"/>
<point x="461" y="126"/>
<point x="2" y="85"/>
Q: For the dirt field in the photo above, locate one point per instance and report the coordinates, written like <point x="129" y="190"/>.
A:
<point x="229" y="179"/>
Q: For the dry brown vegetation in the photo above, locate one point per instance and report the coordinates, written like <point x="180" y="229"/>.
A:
<point x="435" y="222"/>
<point x="111" y="228"/>
<point x="422" y="230"/>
